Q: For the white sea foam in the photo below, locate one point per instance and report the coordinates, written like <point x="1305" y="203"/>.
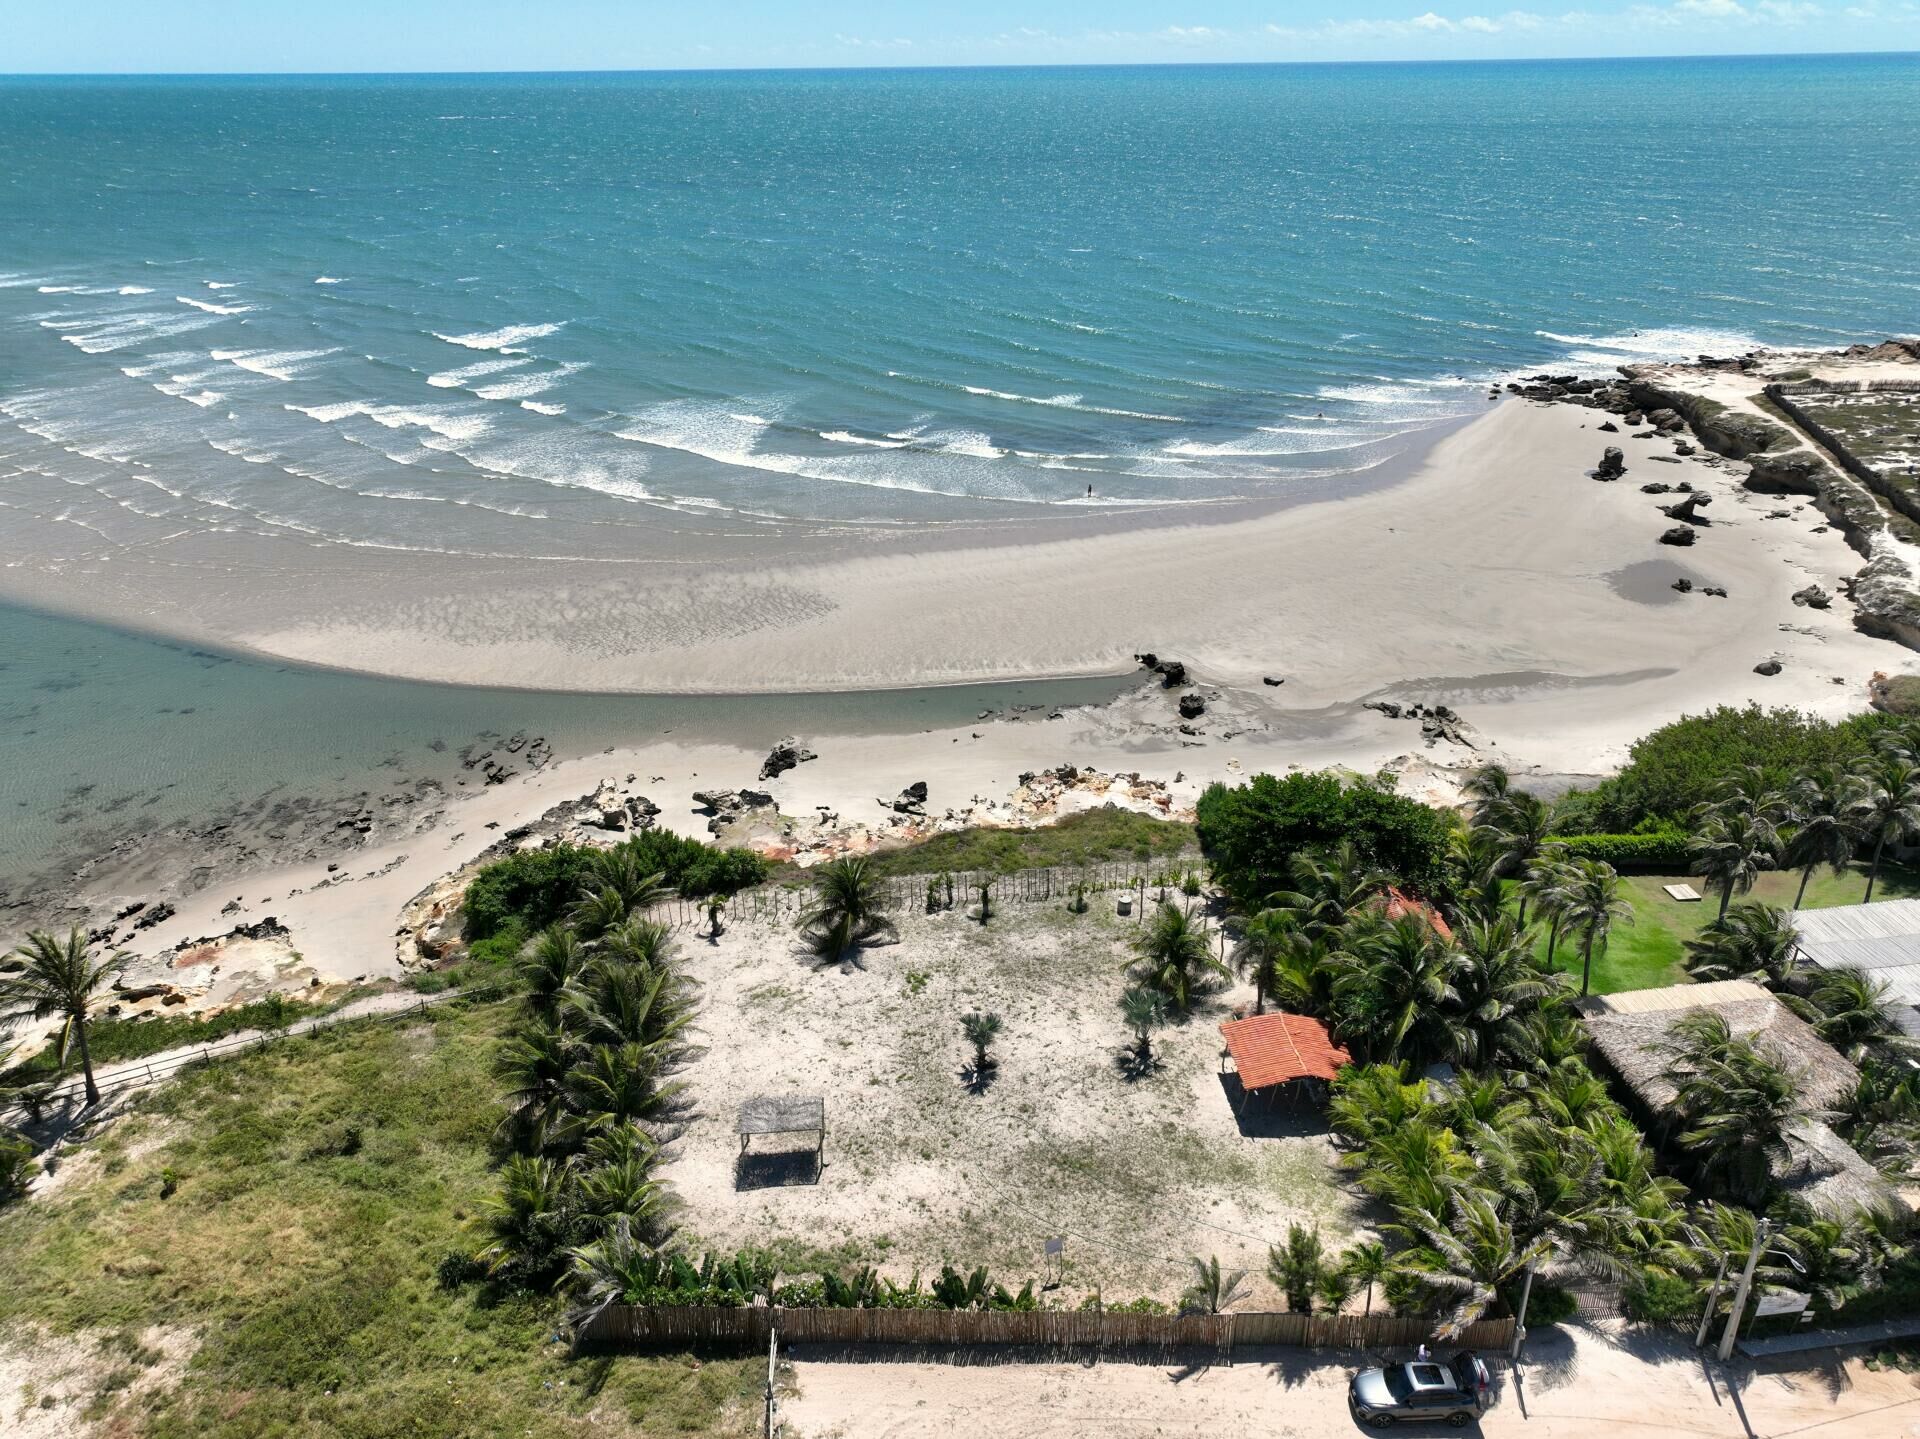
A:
<point x="454" y="425"/>
<point x="453" y="379"/>
<point x="1670" y="343"/>
<point x="211" y="308"/>
<point x="1070" y="402"/>
<point x="328" y="280"/>
<point x="221" y="284"/>
<point x="502" y="339"/>
<point x="541" y="408"/>
<point x="847" y="437"/>
<point x="274" y="364"/>
<point x="134" y="290"/>
<point x="521" y="386"/>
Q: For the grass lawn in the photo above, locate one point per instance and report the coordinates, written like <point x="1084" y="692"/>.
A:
<point x="1648" y="953"/>
<point x="318" y="1183"/>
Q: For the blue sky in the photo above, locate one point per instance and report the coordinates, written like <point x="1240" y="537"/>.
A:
<point x="407" y="35"/>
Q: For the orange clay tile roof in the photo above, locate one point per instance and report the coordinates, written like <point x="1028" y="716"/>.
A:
<point x="1398" y="904"/>
<point x="1277" y="1048"/>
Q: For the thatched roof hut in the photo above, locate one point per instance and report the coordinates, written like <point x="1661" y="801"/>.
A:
<point x="1630" y="1030"/>
<point x="1630" y="1034"/>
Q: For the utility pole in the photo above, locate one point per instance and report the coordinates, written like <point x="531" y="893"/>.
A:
<point x="1713" y="1298"/>
<point x="1520" y="1322"/>
<point x="1760" y="1233"/>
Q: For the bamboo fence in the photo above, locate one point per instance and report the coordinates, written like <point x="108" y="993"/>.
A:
<point x="633" y="1327"/>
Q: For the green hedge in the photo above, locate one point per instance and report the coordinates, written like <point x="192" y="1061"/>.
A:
<point x="1662" y="853"/>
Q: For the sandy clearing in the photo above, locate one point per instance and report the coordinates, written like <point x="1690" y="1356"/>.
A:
<point x="71" y="1386"/>
<point x="1137" y="1175"/>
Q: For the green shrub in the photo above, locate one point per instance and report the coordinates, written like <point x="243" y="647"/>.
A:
<point x="1252" y="831"/>
<point x="1548" y="1304"/>
<point x="1664" y="852"/>
<point x="16" y="1166"/>
<point x="1662" y="1299"/>
<point x="536" y="886"/>
<point x="1681" y="764"/>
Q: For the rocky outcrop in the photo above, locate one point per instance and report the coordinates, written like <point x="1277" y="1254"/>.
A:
<point x="1733" y="433"/>
<point x="911" y="800"/>
<point x="1791" y="472"/>
<point x="1679" y="535"/>
<point x="786" y="755"/>
<point x="1814" y="597"/>
<point x="1613" y="464"/>
<point x="1689" y="508"/>
<point x="1767" y="667"/>
<point x="1192" y="706"/>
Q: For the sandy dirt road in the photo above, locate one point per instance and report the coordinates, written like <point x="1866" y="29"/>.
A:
<point x="1582" y="1383"/>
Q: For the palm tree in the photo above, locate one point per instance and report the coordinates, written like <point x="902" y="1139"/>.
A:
<point x="1824" y="831"/>
<point x="528" y="1221"/>
<point x="981" y="1030"/>
<point x="1731" y="849"/>
<point x="1592" y="905"/>
<point x="1886" y="804"/>
<point x="1328" y="887"/>
<point x="1544" y="886"/>
<point x="535" y="1063"/>
<point x="615" y="1085"/>
<point x="1522" y="828"/>
<point x="615" y="1269"/>
<point x="1213" y="1290"/>
<point x="1849" y="1009"/>
<point x="1371" y="1101"/>
<point x="1748" y="792"/>
<point x="1365" y="1265"/>
<point x="849" y="909"/>
<point x="59" y="979"/>
<point x="1296" y="1269"/>
<point x="628" y="1004"/>
<point x="1750" y="941"/>
<point x="1144" y="1009"/>
<point x="1490" y="788"/>
<point x="1265" y="940"/>
<point x="1737" y="1105"/>
<point x="1395" y="984"/>
<point x="1174" y="956"/>
<point x="1501" y="985"/>
<point x="621" y="870"/>
<point x="1469" y="1254"/>
<point x="548" y="965"/>
<point x="1333" y="1289"/>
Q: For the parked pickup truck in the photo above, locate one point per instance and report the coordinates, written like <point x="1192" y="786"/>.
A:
<point x="1421" y="1392"/>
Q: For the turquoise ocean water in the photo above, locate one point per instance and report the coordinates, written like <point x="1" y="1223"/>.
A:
<point x="433" y="312"/>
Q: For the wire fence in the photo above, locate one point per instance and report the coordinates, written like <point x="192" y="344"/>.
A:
<point x="140" y="1074"/>
<point x="958" y="888"/>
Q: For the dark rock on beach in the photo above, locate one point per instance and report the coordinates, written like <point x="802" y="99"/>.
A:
<point x="786" y="755"/>
<point x="1678" y="535"/>
<point x="1192" y="706"/>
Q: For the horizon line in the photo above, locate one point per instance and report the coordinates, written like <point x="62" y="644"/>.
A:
<point x="1053" y="65"/>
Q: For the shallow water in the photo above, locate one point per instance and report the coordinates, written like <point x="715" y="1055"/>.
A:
<point x="105" y="734"/>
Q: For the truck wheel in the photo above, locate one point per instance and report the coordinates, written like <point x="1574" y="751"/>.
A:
<point x="1459" y="1420"/>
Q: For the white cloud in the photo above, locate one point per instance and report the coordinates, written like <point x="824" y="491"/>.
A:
<point x="1430" y="22"/>
<point x="1480" y="25"/>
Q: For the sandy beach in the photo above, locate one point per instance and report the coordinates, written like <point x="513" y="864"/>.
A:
<point x="1497" y="577"/>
